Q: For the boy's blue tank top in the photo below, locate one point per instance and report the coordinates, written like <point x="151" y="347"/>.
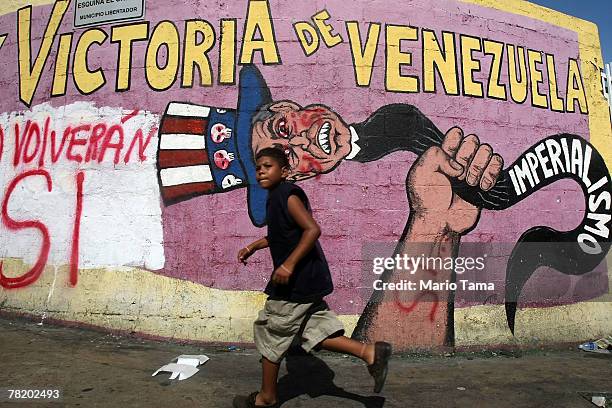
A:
<point x="311" y="279"/>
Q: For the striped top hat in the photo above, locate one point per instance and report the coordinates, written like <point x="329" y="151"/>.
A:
<point x="207" y="150"/>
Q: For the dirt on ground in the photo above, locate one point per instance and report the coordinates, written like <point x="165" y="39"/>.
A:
<point x="96" y="369"/>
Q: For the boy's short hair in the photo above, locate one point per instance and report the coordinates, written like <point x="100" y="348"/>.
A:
<point x="276" y="154"/>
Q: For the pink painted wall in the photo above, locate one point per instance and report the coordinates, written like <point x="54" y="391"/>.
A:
<point x="356" y="203"/>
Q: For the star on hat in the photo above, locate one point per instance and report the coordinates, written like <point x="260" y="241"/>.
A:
<point x="207" y="150"/>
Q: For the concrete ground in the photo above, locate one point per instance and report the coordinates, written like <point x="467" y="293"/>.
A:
<point x="94" y="369"/>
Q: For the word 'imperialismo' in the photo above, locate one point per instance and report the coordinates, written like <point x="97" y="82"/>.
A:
<point x="555" y="157"/>
<point x="454" y="65"/>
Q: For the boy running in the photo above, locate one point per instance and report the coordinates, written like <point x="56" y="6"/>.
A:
<point x="300" y="280"/>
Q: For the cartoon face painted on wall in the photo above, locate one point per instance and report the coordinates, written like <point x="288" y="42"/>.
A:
<point x="315" y="138"/>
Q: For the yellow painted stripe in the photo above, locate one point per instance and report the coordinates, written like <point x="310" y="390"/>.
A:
<point x="133" y="299"/>
<point x="576" y="323"/>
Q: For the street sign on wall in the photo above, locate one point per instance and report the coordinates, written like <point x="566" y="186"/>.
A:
<point x="98" y="12"/>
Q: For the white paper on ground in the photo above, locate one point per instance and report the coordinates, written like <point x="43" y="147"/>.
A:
<point x="192" y="360"/>
<point x="182" y="371"/>
<point x="184" y="367"/>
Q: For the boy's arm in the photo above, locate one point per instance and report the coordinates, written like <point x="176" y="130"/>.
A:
<point x="311" y="233"/>
<point x="259" y="244"/>
<point x="250" y="249"/>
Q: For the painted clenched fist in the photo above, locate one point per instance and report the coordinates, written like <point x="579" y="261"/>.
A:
<point x="430" y="195"/>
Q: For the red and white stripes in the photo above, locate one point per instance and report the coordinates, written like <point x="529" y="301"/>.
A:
<point x="184" y="166"/>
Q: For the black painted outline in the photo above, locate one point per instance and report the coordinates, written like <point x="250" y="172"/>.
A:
<point x="30" y="46"/>
<point x="554" y="67"/>
<point x="55" y="72"/>
<point x="581" y="84"/>
<point x="194" y="65"/>
<point x="435" y="66"/>
<point x="86" y="64"/>
<point x="263" y="62"/>
<point x="327" y="25"/>
<point x="178" y="67"/>
<point x="399" y="45"/>
<point x="5" y="36"/>
<point x="360" y="43"/>
<point x="461" y="52"/>
<point x="516" y="61"/>
<point x="235" y="20"/>
<point x="533" y="83"/>
<point x="499" y="68"/>
<point x="298" y="37"/>
<point x="129" y="84"/>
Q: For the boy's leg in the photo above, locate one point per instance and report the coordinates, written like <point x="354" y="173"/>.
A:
<point x="375" y="355"/>
<point x="325" y="324"/>
<point x="346" y="345"/>
<point x="267" y="395"/>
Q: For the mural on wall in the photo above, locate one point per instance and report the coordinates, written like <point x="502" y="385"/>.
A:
<point x="79" y="151"/>
<point x="317" y="140"/>
<point x="158" y="162"/>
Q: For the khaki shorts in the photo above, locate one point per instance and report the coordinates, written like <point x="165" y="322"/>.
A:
<point x="279" y="322"/>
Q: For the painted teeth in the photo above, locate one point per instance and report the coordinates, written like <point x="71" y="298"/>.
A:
<point x="324" y="137"/>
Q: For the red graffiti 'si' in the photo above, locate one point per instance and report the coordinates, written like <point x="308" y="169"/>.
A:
<point x="34" y="273"/>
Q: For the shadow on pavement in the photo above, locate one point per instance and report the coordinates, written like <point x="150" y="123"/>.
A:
<point x="307" y="374"/>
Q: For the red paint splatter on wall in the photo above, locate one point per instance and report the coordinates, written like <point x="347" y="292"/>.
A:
<point x="33" y="274"/>
<point x="41" y="158"/>
<point x="423" y="294"/>
<point x="74" y="254"/>
<point x="129" y="115"/>
<point x="1" y="142"/>
<point x="409" y="308"/>
<point x="83" y="143"/>
<point x="37" y="142"/>
<point x="142" y="145"/>
<point x="310" y="165"/>
<point x="19" y="142"/>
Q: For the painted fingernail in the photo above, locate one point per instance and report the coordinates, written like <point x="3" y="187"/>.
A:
<point x="486" y="184"/>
